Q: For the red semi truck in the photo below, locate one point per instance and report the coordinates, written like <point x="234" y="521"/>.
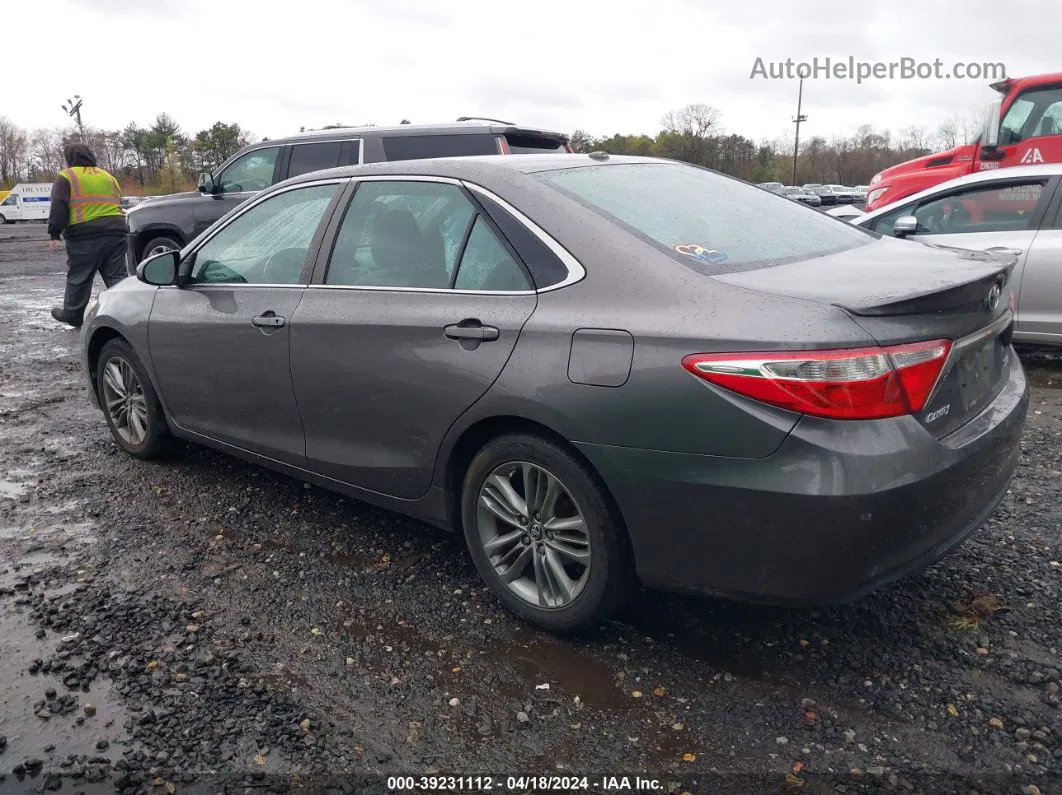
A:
<point x="1022" y="127"/>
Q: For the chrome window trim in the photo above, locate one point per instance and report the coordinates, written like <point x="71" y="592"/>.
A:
<point x="439" y="290"/>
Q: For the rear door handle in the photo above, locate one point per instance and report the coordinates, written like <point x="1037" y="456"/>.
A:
<point x="268" y="319"/>
<point x="470" y="330"/>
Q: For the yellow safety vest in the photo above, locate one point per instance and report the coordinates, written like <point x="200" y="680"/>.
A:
<point x="93" y="194"/>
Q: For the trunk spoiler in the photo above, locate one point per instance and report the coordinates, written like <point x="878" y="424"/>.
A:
<point x="986" y="292"/>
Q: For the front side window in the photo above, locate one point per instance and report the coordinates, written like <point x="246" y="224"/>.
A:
<point x="1000" y="207"/>
<point x="1034" y="113"/>
<point x="268" y="243"/>
<point x="9" y="201"/>
<point x="313" y="157"/>
<point x="713" y="224"/>
<point x="252" y="172"/>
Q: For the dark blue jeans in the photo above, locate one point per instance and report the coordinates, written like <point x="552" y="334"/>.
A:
<point x="85" y="257"/>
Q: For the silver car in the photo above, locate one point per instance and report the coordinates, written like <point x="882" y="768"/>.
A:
<point x="1015" y="210"/>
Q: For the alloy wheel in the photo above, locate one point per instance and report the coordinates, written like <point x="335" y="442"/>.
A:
<point x="534" y="534"/>
<point x="124" y="401"/>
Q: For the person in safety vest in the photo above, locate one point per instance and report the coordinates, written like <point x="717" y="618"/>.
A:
<point x="86" y="211"/>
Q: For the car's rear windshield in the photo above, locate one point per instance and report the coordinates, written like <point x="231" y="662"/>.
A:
<point x="712" y="223"/>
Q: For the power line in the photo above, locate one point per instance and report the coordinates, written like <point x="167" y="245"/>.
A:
<point x="799" y="118"/>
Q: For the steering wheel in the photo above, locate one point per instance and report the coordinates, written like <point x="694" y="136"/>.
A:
<point x="284" y="266"/>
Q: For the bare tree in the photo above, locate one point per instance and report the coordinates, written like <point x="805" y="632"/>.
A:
<point x="13" y="145"/>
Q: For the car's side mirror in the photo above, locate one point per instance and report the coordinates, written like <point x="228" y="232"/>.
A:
<point x="905" y="225"/>
<point x="160" y="270"/>
<point x="991" y="139"/>
<point x="206" y="183"/>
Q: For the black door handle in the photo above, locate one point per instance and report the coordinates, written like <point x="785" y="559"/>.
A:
<point x="268" y="319"/>
<point x="472" y="330"/>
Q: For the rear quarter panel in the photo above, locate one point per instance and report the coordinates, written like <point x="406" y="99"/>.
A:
<point x="670" y="311"/>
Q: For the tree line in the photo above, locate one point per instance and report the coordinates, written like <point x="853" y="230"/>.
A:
<point x="695" y="134"/>
<point x="159" y="158"/>
<point x="162" y="158"/>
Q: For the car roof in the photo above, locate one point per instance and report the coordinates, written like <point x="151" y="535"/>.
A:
<point x="469" y="127"/>
<point x="993" y="174"/>
<point x="478" y="166"/>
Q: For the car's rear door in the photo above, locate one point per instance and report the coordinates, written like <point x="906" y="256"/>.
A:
<point x="220" y="342"/>
<point x="412" y="313"/>
<point x="1040" y="299"/>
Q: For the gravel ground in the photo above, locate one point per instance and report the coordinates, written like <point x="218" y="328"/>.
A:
<point x="204" y="625"/>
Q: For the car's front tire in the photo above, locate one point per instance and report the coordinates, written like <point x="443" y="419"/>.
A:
<point x="130" y="405"/>
<point x="160" y="244"/>
<point x="544" y="534"/>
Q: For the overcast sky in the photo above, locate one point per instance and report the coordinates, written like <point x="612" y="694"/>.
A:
<point x="605" y="67"/>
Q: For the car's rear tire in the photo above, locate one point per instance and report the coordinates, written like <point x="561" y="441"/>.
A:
<point x="563" y="561"/>
<point x="157" y="245"/>
<point x="130" y="405"/>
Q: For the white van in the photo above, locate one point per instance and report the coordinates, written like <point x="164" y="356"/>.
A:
<point x="27" y="202"/>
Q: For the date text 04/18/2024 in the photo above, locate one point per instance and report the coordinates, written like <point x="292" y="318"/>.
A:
<point x="526" y="784"/>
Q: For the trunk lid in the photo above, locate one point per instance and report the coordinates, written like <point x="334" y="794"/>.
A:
<point x="899" y="292"/>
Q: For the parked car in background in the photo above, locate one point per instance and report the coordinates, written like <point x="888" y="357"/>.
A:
<point x="771" y="187"/>
<point x="171" y="222"/>
<point x="825" y="195"/>
<point x="1017" y="210"/>
<point x="594" y="367"/>
<point x="862" y="190"/>
<point x="844" y="195"/>
<point x="801" y="195"/>
<point x="128" y="202"/>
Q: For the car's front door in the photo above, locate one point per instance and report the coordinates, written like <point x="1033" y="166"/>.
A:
<point x="1030" y="131"/>
<point x="220" y="341"/>
<point x="237" y="182"/>
<point x="412" y="316"/>
<point x="1003" y="214"/>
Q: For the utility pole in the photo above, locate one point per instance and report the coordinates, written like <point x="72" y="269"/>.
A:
<point x="799" y="118"/>
<point x="73" y="110"/>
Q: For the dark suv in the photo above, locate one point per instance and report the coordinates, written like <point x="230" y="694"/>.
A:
<point x="171" y="222"/>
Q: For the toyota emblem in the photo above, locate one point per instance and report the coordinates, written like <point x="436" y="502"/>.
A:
<point x="992" y="299"/>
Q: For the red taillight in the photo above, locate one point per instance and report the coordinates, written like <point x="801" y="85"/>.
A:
<point x="854" y="384"/>
<point x="568" y="148"/>
<point x="503" y="145"/>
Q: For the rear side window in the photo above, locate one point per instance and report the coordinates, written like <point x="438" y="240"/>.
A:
<point x="533" y="145"/>
<point x="709" y="222"/>
<point x="313" y="157"/>
<point x="419" y="147"/>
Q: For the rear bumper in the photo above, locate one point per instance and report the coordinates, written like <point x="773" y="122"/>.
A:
<point x="840" y="509"/>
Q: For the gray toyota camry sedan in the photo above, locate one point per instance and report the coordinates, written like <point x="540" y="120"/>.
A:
<point x="595" y="368"/>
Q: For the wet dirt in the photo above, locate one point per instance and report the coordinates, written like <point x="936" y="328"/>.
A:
<point x="271" y="632"/>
